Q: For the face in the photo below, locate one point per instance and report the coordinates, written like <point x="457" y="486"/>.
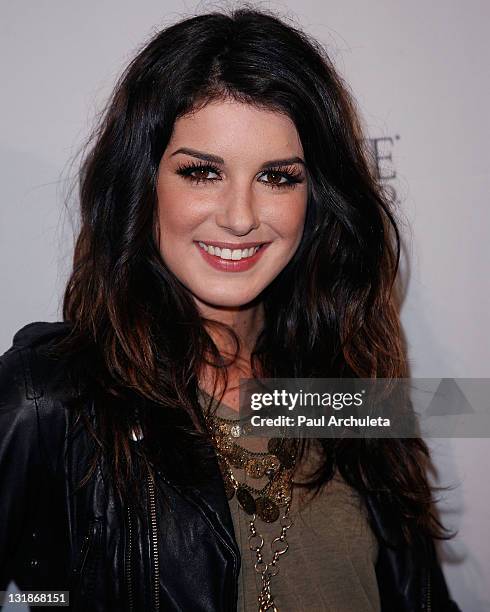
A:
<point x="232" y="196"/>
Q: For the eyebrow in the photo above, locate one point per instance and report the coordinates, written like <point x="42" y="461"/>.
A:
<point x="219" y="160"/>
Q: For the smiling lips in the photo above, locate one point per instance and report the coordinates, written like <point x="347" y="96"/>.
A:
<point x="221" y="256"/>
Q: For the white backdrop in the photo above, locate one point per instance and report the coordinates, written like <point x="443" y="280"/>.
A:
<point x="420" y="74"/>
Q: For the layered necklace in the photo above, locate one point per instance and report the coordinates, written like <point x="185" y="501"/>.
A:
<point x="277" y="464"/>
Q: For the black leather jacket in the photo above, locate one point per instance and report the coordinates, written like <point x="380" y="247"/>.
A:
<point x="55" y="537"/>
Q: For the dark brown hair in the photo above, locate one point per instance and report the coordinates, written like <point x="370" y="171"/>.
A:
<point x="331" y="313"/>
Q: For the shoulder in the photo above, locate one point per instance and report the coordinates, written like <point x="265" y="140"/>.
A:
<point x="33" y="424"/>
<point x="36" y="388"/>
<point x="27" y="369"/>
<point x="40" y="333"/>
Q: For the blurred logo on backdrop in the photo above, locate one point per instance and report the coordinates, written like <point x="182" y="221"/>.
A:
<point x="381" y="149"/>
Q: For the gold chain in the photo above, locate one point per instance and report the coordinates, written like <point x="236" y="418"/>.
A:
<point x="278" y="465"/>
<point x="266" y="600"/>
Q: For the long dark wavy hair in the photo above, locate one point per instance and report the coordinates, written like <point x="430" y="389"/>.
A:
<point x="331" y="313"/>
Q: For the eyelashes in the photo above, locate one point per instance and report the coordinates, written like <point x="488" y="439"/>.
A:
<point x="292" y="175"/>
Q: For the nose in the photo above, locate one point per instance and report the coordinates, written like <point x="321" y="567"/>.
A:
<point x="238" y="213"/>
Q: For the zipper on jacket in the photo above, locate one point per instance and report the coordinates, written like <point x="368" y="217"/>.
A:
<point x="85" y="568"/>
<point x="129" y="578"/>
<point x="154" y="543"/>
<point x="428" y="594"/>
<point x="87" y="543"/>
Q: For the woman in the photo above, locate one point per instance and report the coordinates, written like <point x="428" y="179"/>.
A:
<point x="230" y="227"/>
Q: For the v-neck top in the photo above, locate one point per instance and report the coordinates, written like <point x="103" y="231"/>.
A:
<point x="330" y="563"/>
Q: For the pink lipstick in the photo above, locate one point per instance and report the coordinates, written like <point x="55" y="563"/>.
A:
<point x="230" y="265"/>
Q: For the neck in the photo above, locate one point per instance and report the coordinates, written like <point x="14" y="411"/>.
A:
<point x="246" y="321"/>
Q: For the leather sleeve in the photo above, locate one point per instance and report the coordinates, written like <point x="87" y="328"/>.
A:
<point x="441" y="598"/>
<point x="19" y="460"/>
<point x="410" y="578"/>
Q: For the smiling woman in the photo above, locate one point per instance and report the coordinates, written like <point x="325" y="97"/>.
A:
<point x="230" y="200"/>
<point x="231" y="227"/>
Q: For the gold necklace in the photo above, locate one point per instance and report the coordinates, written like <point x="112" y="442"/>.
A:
<point x="278" y="465"/>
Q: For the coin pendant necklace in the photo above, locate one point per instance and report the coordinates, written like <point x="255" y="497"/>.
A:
<point x="277" y="464"/>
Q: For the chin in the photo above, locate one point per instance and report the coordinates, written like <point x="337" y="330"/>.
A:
<point x="224" y="299"/>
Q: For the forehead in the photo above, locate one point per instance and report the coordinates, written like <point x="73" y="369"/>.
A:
<point x="232" y="129"/>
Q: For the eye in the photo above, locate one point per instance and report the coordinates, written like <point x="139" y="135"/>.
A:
<point x="197" y="172"/>
<point x="281" y="178"/>
<point x="276" y="179"/>
<point x="201" y="173"/>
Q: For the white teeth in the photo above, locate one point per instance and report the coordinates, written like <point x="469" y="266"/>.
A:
<point x="225" y="254"/>
<point x="234" y="255"/>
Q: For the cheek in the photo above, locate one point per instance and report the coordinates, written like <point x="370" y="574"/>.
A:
<point x="177" y="213"/>
<point x="288" y="219"/>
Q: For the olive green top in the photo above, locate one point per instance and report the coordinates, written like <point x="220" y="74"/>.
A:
<point x="330" y="563"/>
